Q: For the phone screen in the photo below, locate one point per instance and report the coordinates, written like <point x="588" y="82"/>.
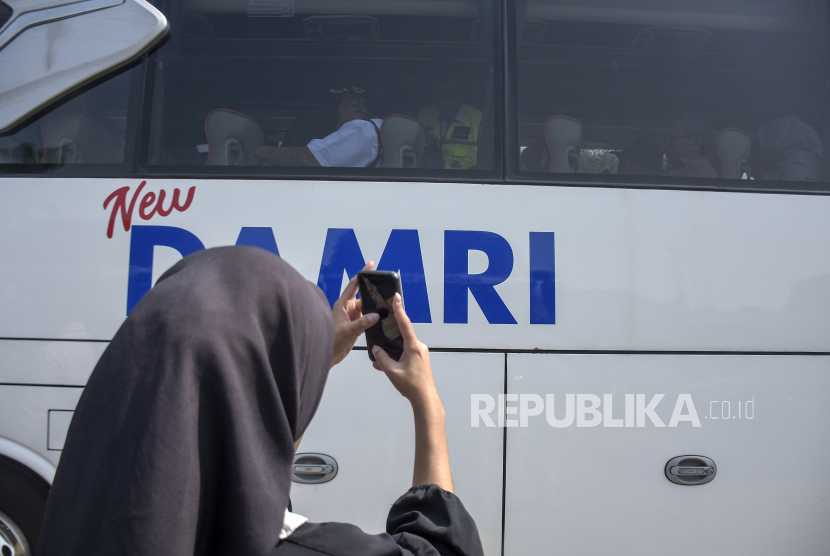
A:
<point x="377" y="289"/>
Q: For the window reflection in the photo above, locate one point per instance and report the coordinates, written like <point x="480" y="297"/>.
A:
<point x="674" y="91"/>
<point x="354" y="84"/>
<point x="89" y="129"/>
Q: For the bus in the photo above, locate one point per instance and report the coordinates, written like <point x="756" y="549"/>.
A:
<point x="606" y="214"/>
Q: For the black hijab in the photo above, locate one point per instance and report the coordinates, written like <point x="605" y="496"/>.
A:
<point x="182" y="442"/>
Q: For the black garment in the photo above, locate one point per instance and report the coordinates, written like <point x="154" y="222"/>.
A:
<point x="425" y="521"/>
<point x="182" y="442"/>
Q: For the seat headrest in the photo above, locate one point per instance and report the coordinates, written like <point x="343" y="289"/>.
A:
<point x="403" y="141"/>
<point x="71" y="137"/>
<point x="734" y="147"/>
<point x="564" y="138"/>
<point x="231" y="137"/>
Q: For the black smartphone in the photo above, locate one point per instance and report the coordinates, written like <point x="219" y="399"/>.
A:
<point x="377" y="289"/>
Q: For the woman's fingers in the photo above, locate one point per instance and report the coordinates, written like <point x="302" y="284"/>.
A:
<point x="404" y="324"/>
<point x="348" y="322"/>
<point x="359" y="326"/>
<point x="351" y="289"/>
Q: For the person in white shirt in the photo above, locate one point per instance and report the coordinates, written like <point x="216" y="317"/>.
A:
<point x="355" y="144"/>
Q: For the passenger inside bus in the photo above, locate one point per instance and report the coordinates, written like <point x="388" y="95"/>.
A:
<point x="452" y="126"/>
<point x="184" y="438"/>
<point x="356" y="142"/>
<point x="685" y="147"/>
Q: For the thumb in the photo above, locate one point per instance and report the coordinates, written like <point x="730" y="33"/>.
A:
<point x="358" y="326"/>
<point x="386" y="363"/>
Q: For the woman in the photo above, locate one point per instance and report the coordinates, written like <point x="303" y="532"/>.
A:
<point x="183" y="441"/>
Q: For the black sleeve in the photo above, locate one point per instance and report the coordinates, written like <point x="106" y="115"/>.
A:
<point x="336" y="539"/>
<point x="428" y="519"/>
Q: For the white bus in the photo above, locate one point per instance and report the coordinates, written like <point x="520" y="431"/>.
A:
<point x="617" y="245"/>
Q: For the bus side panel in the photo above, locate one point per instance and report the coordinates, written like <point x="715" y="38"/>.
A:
<point x="581" y="489"/>
<point x="58" y="362"/>
<point x="366" y="426"/>
<point x="37" y="417"/>
<point x="615" y="269"/>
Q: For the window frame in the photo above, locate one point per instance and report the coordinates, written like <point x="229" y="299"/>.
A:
<point x="505" y="123"/>
<point x="126" y="168"/>
<point x="172" y="10"/>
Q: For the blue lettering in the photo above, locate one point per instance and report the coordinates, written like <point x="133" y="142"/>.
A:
<point x="341" y="252"/>
<point x="259" y="237"/>
<point x="142" y="241"/>
<point x="457" y="279"/>
<point x="403" y="254"/>
<point x="542" y="279"/>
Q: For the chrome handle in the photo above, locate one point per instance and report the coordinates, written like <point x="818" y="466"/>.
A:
<point x="313" y="468"/>
<point x="690" y="470"/>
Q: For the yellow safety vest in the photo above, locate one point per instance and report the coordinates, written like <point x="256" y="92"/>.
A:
<point x="460" y="145"/>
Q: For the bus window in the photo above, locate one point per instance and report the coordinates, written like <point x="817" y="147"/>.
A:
<point x="305" y="87"/>
<point x="86" y="134"/>
<point x="726" y="94"/>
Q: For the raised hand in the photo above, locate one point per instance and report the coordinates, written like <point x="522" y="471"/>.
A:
<point x="349" y="321"/>
<point x="412" y="377"/>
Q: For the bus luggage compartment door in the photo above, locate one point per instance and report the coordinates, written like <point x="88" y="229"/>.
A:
<point x="587" y="474"/>
<point x="366" y="426"/>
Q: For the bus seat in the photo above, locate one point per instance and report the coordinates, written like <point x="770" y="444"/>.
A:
<point x="230" y="136"/>
<point x="564" y="139"/>
<point x="403" y="141"/>
<point x="734" y="146"/>
<point x="72" y="137"/>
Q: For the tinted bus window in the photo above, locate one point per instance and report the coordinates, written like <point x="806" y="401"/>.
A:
<point x="727" y="93"/>
<point x="89" y="133"/>
<point x="347" y="88"/>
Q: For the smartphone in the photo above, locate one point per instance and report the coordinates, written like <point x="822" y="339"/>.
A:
<point x="377" y="290"/>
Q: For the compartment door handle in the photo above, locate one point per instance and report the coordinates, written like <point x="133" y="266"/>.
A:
<point x="324" y="469"/>
<point x="691" y="470"/>
<point x="676" y="470"/>
<point x="313" y="468"/>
